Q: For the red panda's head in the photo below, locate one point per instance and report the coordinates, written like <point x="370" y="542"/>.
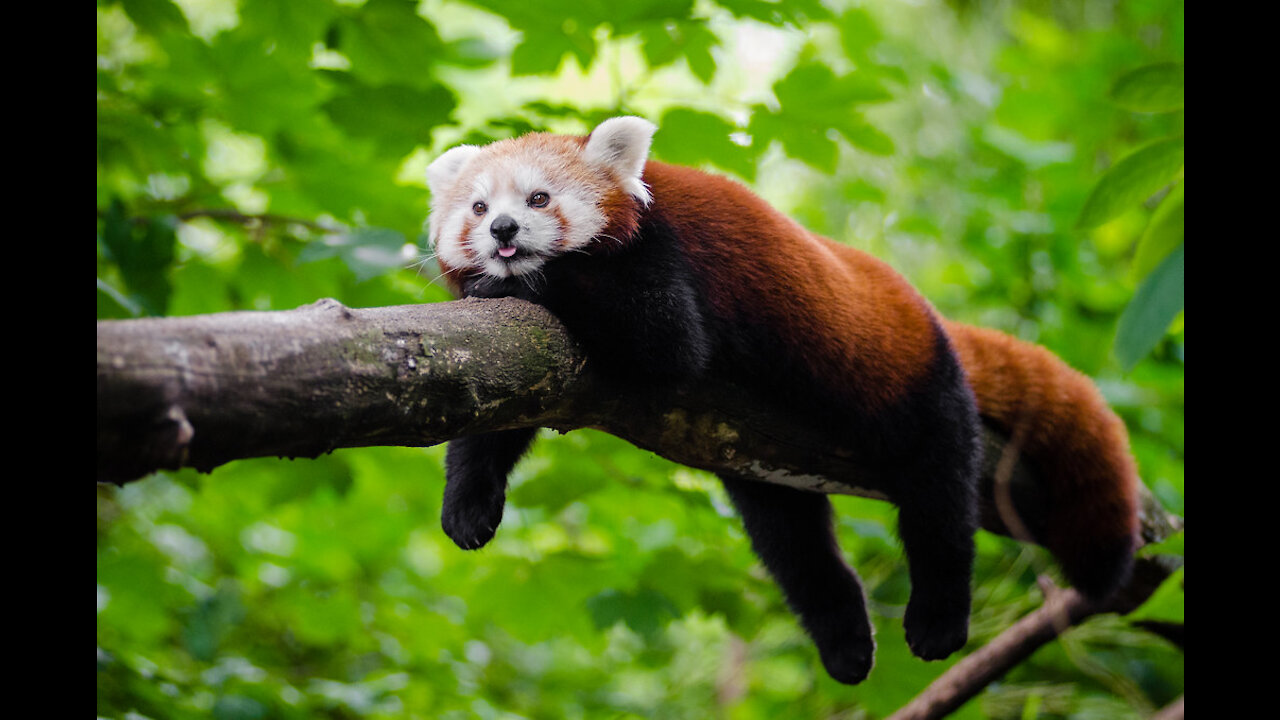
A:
<point x="507" y="208"/>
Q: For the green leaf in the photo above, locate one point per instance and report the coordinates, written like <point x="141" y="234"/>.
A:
<point x="238" y="707"/>
<point x="629" y="17"/>
<point x="697" y="53"/>
<point x="548" y="36"/>
<point x="858" y="32"/>
<point x="1153" y="88"/>
<point x="1031" y="153"/>
<point x="1156" y="303"/>
<point x="552" y="491"/>
<point x="293" y="26"/>
<point x="137" y="596"/>
<point x="211" y="620"/>
<point x="143" y="249"/>
<point x="814" y="101"/>
<point x="321" y="616"/>
<point x="367" y="251"/>
<point x="114" y="304"/>
<point x="156" y="16"/>
<point x="689" y="137"/>
<point x="396" y="117"/>
<point x="866" y="136"/>
<point x="565" y="581"/>
<point x="259" y="89"/>
<point x="1163" y="233"/>
<point x="325" y="172"/>
<point x="862" y="191"/>
<point x="797" y="12"/>
<point x="664" y="43"/>
<point x="801" y="140"/>
<point x="542" y="56"/>
<point x="1132" y="180"/>
<point x="473" y="52"/>
<point x="817" y="90"/>
<point x="1166" y="604"/>
<point x="388" y="42"/>
<point x="644" y="611"/>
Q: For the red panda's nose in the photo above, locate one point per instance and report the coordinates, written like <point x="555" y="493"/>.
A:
<point x="504" y="228"/>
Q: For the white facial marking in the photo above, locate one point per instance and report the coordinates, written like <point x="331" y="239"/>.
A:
<point x="568" y="221"/>
<point x="505" y="178"/>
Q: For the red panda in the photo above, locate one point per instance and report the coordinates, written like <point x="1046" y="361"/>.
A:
<point x="666" y="273"/>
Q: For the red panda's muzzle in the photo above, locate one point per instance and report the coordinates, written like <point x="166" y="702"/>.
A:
<point x="504" y="229"/>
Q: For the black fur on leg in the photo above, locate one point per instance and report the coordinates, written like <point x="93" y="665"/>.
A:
<point x="940" y="557"/>
<point x="931" y="455"/>
<point x="791" y="532"/>
<point x="937" y="517"/>
<point x="475" y="489"/>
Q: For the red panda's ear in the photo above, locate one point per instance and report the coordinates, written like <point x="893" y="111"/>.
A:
<point x="440" y="174"/>
<point x="621" y="144"/>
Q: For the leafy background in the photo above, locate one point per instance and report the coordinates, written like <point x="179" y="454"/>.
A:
<point x="1021" y="162"/>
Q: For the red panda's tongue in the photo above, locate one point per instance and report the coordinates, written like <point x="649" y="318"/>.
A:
<point x="507" y="251"/>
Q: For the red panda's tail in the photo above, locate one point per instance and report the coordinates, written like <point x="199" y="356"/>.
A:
<point x="1076" y="444"/>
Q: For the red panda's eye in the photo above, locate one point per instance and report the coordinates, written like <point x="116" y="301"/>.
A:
<point x="539" y="199"/>
<point x="479" y="208"/>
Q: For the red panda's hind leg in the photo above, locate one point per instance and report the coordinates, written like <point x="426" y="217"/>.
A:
<point x="935" y="469"/>
<point x="940" y="559"/>
<point x="937" y="519"/>
<point x="791" y="532"/>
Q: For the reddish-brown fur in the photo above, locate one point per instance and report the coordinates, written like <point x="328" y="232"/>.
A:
<point x="1064" y="426"/>
<point x="888" y="337"/>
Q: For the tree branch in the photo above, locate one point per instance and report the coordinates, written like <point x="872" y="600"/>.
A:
<point x="202" y="391"/>
<point x="1062" y="610"/>
<point x="205" y="390"/>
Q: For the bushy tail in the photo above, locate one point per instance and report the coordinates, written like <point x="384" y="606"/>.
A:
<point x="1076" y="444"/>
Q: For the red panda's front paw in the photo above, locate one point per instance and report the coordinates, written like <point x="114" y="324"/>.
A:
<point x="471" y="520"/>
<point x="936" y="629"/>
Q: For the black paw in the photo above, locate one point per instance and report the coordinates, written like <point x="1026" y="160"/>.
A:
<point x="844" y="642"/>
<point x="471" y="519"/>
<point x="935" y="630"/>
<point x="849" y="662"/>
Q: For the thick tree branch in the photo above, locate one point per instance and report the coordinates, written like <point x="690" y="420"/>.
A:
<point x="203" y="391"/>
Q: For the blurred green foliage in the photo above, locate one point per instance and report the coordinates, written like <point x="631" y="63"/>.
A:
<point x="1021" y="162"/>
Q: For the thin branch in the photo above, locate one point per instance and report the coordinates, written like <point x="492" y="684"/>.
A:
<point x="1062" y="609"/>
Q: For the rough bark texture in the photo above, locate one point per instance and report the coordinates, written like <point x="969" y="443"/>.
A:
<point x="202" y="391"/>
